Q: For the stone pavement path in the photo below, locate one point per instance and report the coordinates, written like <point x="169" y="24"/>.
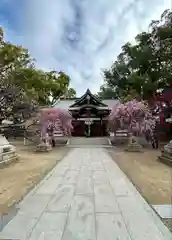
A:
<point x="85" y="197"/>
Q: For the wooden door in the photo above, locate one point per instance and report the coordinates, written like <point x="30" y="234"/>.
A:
<point x="78" y="128"/>
<point x="98" y="129"/>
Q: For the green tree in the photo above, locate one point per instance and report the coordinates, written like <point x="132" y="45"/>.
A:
<point x="57" y="85"/>
<point x="70" y="93"/>
<point x="106" y="92"/>
<point x="22" y="84"/>
<point x="45" y="87"/>
<point x="143" y="68"/>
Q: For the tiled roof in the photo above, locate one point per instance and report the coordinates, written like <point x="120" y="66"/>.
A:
<point x="110" y="102"/>
<point x="65" y="103"/>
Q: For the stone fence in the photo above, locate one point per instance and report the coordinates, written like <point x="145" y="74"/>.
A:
<point x="120" y="137"/>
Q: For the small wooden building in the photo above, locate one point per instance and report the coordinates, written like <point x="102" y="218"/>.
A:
<point x="89" y="114"/>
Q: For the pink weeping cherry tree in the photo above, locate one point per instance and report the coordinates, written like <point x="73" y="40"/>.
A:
<point x="55" y="119"/>
<point x="134" y="116"/>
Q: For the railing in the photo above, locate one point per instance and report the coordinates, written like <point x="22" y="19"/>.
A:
<point x="32" y="133"/>
<point x="120" y="137"/>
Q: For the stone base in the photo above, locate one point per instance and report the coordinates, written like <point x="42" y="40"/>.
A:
<point x="166" y="154"/>
<point x="7" y="158"/>
<point x="133" y="145"/>
<point x="165" y="158"/>
<point x="43" y="147"/>
<point x="7" y="152"/>
<point x="134" y="148"/>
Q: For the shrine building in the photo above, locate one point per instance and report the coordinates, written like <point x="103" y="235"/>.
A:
<point x="89" y="114"/>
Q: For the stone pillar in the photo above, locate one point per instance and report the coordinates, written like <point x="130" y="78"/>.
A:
<point x="44" y="146"/>
<point x="25" y="141"/>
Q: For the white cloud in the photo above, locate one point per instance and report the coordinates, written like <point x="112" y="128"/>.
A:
<point x="81" y="37"/>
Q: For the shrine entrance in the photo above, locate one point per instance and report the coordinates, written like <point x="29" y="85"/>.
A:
<point x="89" y="114"/>
<point x="95" y="129"/>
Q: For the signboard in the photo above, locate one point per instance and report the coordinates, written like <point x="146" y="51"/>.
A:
<point x="121" y="134"/>
<point x="88" y="122"/>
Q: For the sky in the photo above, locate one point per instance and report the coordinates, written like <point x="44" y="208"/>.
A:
<point x="79" y="37"/>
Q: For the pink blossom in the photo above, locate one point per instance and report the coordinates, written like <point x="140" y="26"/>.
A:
<point x="56" y="119"/>
<point x="133" y="115"/>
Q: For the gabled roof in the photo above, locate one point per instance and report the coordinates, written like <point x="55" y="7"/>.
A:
<point x="83" y="99"/>
<point x="65" y="103"/>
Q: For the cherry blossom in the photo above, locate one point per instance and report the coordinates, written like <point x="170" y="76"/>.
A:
<point x="55" y="119"/>
<point x="134" y="116"/>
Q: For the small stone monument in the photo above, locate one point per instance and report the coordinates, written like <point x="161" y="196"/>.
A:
<point x="166" y="154"/>
<point x="133" y="145"/>
<point x="7" y="151"/>
<point x="44" y="146"/>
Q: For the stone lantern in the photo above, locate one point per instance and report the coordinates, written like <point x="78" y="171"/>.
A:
<point x="7" y="151"/>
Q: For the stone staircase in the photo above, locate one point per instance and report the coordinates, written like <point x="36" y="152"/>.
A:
<point x="89" y="142"/>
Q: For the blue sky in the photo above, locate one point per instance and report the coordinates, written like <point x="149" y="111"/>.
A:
<point x="80" y="37"/>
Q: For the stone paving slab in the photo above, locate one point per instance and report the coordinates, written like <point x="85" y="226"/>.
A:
<point x="50" y="227"/>
<point x="19" y="227"/>
<point x="84" y="186"/>
<point x="105" y="201"/>
<point x="100" y="177"/>
<point x="132" y="211"/>
<point x="50" y="186"/>
<point x="164" y="211"/>
<point x="81" y="219"/>
<point x="61" y="201"/>
<point x="111" y="226"/>
<point x="85" y="197"/>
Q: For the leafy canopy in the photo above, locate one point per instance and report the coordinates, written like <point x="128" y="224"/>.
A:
<point x="144" y="67"/>
<point x="23" y="86"/>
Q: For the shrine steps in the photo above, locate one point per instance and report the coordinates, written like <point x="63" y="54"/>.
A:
<point x="91" y="142"/>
